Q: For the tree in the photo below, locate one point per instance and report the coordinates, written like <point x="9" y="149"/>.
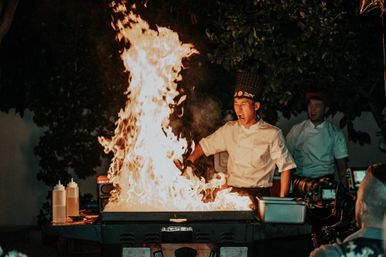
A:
<point x="63" y="66"/>
<point x="303" y="45"/>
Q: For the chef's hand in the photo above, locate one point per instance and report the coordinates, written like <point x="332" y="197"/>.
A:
<point x="187" y="168"/>
<point x="183" y="165"/>
<point x="190" y="171"/>
<point x="209" y="195"/>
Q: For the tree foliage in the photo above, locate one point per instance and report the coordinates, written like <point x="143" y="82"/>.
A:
<point x="297" y="46"/>
<point x="62" y="64"/>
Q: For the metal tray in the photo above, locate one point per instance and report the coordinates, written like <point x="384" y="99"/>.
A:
<point x="281" y="210"/>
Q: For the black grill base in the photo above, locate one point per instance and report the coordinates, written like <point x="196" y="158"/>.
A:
<point x="113" y="235"/>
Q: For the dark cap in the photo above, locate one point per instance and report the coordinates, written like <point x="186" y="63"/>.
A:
<point x="248" y="85"/>
<point x="318" y="95"/>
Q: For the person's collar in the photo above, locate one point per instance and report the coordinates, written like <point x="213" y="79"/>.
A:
<point x="311" y="125"/>
<point x="258" y="123"/>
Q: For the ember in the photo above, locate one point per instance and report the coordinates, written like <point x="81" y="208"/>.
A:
<point x="145" y="149"/>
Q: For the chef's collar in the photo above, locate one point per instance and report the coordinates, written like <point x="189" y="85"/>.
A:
<point x="254" y="126"/>
<point x="311" y="125"/>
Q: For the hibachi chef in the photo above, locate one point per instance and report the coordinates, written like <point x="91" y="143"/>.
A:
<point x="255" y="147"/>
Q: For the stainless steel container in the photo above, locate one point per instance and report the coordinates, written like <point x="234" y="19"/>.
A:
<point x="281" y="210"/>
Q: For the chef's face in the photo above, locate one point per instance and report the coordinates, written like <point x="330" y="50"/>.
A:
<point x="316" y="111"/>
<point x="245" y="109"/>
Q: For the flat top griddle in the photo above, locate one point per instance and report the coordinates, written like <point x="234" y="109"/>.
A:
<point x="171" y="215"/>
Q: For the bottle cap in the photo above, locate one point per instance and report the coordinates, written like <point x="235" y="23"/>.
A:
<point x="59" y="186"/>
<point x="72" y="183"/>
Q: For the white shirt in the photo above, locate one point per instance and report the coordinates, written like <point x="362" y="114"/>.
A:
<point x="316" y="148"/>
<point x="254" y="152"/>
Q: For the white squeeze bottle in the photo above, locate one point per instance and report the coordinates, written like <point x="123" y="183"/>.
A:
<point x="58" y="204"/>
<point x="72" y="192"/>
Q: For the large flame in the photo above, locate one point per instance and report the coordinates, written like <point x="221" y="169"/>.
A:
<point x="143" y="170"/>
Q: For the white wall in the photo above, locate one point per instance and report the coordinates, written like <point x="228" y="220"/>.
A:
<point x="21" y="195"/>
<point x="366" y="154"/>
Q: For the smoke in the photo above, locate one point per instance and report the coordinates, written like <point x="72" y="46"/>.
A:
<point x="206" y="115"/>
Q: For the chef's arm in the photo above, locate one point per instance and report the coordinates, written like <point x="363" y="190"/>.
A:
<point x="285" y="179"/>
<point x="197" y="153"/>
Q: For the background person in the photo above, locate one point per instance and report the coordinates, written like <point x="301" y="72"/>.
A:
<point x="318" y="146"/>
<point x="320" y="152"/>
<point x="255" y="147"/>
<point x="370" y="208"/>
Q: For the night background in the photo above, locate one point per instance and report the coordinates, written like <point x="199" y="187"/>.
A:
<point x="60" y="61"/>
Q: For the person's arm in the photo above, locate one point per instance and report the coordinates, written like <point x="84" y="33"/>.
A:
<point x="342" y="168"/>
<point x="284" y="162"/>
<point x="341" y="157"/>
<point x="285" y="178"/>
<point x="197" y="153"/>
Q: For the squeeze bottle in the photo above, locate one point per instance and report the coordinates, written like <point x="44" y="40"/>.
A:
<point x="72" y="193"/>
<point x="58" y="204"/>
